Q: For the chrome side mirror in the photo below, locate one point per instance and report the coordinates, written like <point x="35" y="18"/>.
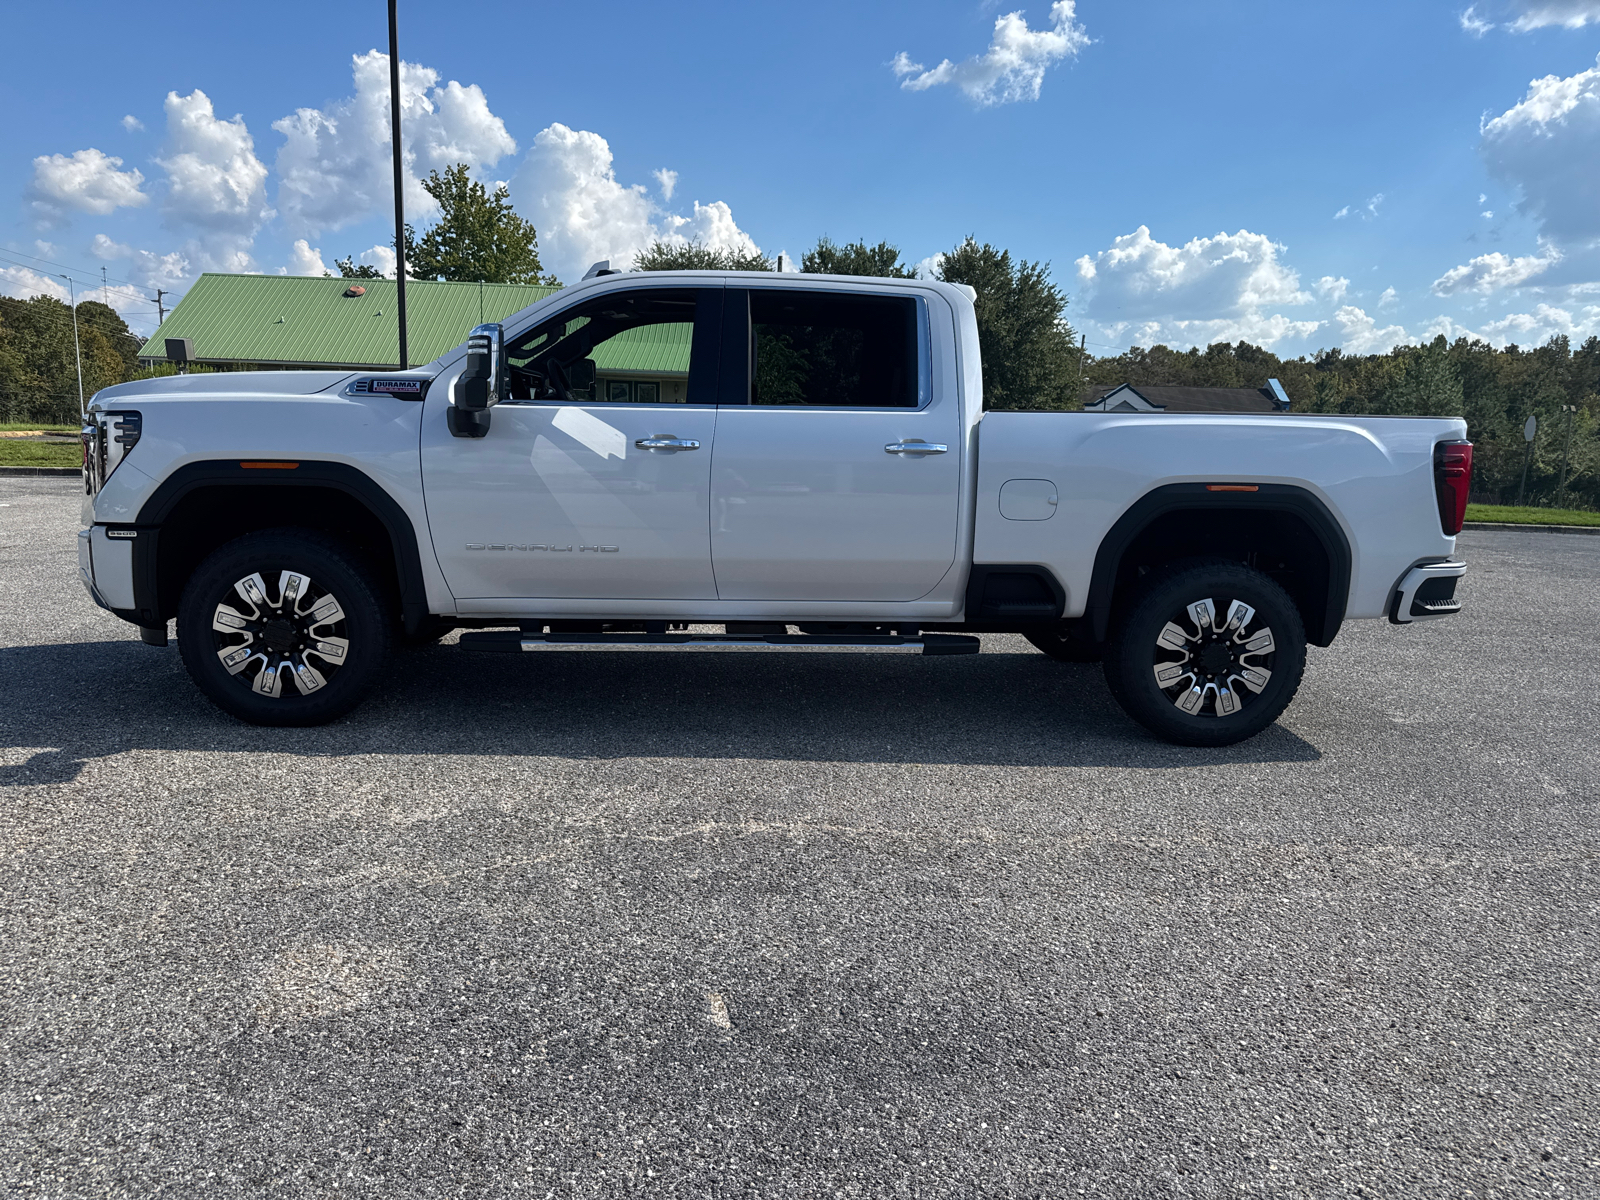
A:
<point x="481" y="385"/>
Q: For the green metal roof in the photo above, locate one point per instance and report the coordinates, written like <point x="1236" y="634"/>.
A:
<point x="649" y="350"/>
<point x="297" y="321"/>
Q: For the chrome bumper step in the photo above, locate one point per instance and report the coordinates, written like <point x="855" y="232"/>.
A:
<point x="515" y="643"/>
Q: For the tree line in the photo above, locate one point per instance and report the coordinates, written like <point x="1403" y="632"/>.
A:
<point x="1031" y="356"/>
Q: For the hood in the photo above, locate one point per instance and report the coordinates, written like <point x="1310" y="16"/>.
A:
<point x="215" y="383"/>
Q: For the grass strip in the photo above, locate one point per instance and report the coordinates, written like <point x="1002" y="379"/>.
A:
<point x="1510" y="514"/>
<point x="26" y="427"/>
<point x="14" y="453"/>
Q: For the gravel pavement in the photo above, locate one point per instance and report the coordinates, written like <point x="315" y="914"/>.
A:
<point x="596" y="924"/>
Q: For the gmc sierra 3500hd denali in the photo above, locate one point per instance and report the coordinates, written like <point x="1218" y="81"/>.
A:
<point x="811" y="452"/>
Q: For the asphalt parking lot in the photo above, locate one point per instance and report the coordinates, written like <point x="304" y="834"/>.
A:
<point x="801" y="925"/>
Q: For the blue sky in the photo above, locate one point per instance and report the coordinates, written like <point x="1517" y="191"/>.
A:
<point x="1303" y="176"/>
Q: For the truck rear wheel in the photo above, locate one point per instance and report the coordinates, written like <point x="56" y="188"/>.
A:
<point x="1209" y="654"/>
<point x="283" y="628"/>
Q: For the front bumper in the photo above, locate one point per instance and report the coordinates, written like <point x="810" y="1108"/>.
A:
<point x="1425" y="592"/>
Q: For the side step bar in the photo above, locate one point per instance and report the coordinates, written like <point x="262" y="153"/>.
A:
<point x="510" y="642"/>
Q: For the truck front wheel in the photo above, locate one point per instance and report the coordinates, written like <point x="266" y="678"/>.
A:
<point x="1208" y="654"/>
<point x="283" y="628"/>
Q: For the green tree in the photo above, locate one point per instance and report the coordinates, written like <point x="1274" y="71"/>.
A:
<point x="349" y="269"/>
<point x="1429" y="385"/>
<point x="855" y="258"/>
<point x="39" y="361"/>
<point x="697" y="256"/>
<point x="479" y="238"/>
<point x="1029" y="360"/>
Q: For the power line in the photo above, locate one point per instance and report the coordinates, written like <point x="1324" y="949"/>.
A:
<point x="65" y="267"/>
<point x="91" y="283"/>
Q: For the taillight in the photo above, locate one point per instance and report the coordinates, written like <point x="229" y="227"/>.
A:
<point x="1452" y="478"/>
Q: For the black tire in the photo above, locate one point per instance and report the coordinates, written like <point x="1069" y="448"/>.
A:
<point x="1234" y="702"/>
<point x="1063" y="647"/>
<point x="323" y="668"/>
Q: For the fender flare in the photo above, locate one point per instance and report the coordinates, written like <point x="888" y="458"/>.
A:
<point x="310" y="473"/>
<point x="1269" y="497"/>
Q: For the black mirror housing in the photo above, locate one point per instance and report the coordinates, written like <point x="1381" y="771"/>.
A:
<point x="481" y="385"/>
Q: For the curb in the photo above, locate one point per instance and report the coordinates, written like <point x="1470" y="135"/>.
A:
<point x="41" y="471"/>
<point x="1513" y="527"/>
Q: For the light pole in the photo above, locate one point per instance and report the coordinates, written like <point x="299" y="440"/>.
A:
<point x="1566" y="452"/>
<point x="77" y="350"/>
<point x="399" y="197"/>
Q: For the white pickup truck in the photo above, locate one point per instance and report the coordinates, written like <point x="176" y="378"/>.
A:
<point x="730" y="461"/>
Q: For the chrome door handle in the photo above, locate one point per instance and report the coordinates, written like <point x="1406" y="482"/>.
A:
<point x="916" y="447"/>
<point x="663" y="441"/>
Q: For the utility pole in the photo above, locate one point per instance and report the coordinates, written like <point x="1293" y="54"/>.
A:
<point x="105" y="291"/>
<point x="1566" y="452"/>
<point x="77" y="350"/>
<point x="1083" y="353"/>
<point x="399" y="171"/>
<point x="161" y="312"/>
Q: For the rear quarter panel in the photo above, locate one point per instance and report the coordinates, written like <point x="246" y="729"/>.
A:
<point x="1374" y="474"/>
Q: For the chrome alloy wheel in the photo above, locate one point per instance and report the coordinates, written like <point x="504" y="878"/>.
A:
<point x="302" y="632"/>
<point x="1220" y="668"/>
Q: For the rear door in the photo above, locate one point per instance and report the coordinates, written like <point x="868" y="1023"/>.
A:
<point x="594" y="478"/>
<point x="836" y="474"/>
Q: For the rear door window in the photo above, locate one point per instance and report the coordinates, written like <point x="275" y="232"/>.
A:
<point x="833" y="349"/>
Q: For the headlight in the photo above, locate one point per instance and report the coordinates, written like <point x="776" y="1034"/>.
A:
<point x="107" y="439"/>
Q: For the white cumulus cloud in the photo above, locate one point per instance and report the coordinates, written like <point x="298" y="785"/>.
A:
<point x="668" y="181"/>
<point x="1362" y="334"/>
<point x="22" y="284"/>
<point x="1547" y="146"/>
<point x="569" y="189"/>
<point x="304" y="260"/>
<point x="132" y="124"/>
<point x="336" y="167"/>
<point x="1522" y="16"/>
<point x="1333" y="287"/>
<point x="216" y="184"/>
<point x="1491" y="272"/>
<point x="144" y="268"/>
<point x="1207" y="290"/>
<point x="87" y="181"/>
<point x="1013" y="66"/>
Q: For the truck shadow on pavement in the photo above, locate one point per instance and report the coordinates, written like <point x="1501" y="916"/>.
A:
<point x="75" y="702"/>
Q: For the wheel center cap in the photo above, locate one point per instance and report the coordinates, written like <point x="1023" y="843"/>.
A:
<point x="279" y="635"/>
<point x="1215" y="659"/>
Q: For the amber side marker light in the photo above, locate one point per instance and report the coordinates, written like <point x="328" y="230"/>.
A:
<point x="269" y="466"/>
<point x="1232" y="487"/>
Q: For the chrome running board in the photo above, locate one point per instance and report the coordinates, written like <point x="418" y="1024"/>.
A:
<point x="515" y="643"/>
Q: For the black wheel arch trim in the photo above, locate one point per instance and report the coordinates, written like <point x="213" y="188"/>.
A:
<point x="1268" y="497"/>
<point x="357" y="484"/>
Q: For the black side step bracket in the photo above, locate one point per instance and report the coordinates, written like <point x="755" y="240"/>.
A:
<point x="511" y="642"/>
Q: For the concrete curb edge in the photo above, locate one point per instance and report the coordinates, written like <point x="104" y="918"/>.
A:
<point x="1515" y="527"/>
<point x="41" y="471"/>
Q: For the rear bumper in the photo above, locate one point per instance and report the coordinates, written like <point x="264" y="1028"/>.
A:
<point x="1426" y="592"/>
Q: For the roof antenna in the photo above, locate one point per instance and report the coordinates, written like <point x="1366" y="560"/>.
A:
<point x="603" y="267"/>
<point x="399" y="195"/>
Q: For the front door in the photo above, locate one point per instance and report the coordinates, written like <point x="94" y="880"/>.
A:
<point x="594" y="478"/>
<point x="839" y="479"/>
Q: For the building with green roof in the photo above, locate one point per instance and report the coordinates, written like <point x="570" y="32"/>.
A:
<point x="282" y="322"/>
<point x="296" y="321"/>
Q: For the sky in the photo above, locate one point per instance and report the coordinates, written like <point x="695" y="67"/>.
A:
<point x="1356" y="175"/>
